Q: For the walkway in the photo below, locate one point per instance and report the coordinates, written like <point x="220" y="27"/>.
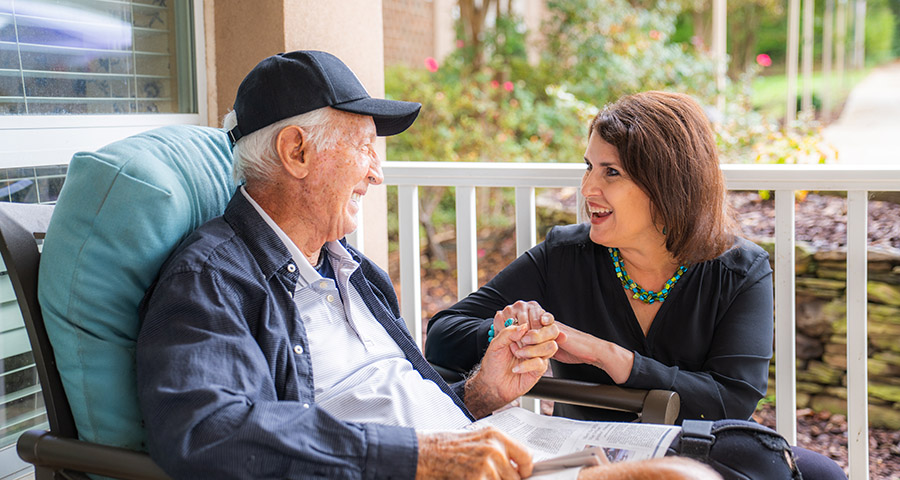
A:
<point x="868" y="130"/>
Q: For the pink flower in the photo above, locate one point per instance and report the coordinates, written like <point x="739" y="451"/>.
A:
<point x="764" y="60"/>
<point x="508" y="86"/>
<point x="431" y="64"/>
<point x="481" y="252"/>
<point x="654" y="34"/>
<point x="495" y="84"/>
<point x="460" y="44"/>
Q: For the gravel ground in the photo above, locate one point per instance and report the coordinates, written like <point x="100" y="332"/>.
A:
<point x="827" y="434"/>
<point x="821" y="220"/>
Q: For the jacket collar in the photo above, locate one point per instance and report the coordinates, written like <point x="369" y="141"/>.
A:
<point x="267" y="249"/>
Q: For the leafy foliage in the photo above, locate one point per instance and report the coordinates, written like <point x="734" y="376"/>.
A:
<point x="609" y="48"/>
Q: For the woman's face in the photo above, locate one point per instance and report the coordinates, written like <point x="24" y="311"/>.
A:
<point x="619" y="209"/>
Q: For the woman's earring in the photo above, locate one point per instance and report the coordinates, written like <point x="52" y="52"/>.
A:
<point x="664" y="230"/>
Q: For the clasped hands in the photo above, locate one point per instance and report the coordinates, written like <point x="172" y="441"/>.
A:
<point x="516" y="358"/>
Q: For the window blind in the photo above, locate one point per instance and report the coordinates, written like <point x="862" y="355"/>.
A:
<point x="95" y="57"/>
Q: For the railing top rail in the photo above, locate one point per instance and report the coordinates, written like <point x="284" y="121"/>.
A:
<point x="739" y="176"/>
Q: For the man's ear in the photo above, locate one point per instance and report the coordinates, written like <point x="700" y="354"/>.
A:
<point x="293" y="150"/>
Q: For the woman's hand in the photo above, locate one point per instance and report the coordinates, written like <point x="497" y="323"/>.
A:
<point x="513" y="363"/>
<point x="530" y="313"/>
<point x="576" y="346"/>
<point x="482" y="454"/>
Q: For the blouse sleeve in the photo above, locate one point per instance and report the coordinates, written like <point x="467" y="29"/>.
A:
<point x="734" y="375"/>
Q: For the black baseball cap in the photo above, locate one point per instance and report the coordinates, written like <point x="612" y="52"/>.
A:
<point x="289" y="84"/>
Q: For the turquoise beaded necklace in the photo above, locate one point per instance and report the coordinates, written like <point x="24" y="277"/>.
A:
<point x="646" y="296"/>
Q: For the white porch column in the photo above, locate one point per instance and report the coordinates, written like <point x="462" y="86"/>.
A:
<point x="808" y="42"/>
<point x="859" y="35"/>
<point x="720" y="53"/>
<point x="840" y="44"/>
<point x="827" y="55"/>
<point x="793" y="53"/>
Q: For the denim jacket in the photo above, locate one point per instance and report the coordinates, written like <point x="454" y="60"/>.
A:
<point x="223" y="367"/>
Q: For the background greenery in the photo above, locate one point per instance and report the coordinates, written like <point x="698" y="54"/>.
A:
<point x="486" y="102"/>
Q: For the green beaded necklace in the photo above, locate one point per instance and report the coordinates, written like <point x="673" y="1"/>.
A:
<point x="646" y="296"/>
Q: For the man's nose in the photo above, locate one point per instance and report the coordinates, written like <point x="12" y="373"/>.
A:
<point x="376" y="176"/>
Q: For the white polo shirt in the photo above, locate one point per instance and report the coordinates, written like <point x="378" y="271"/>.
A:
<point x="360" y="373"/>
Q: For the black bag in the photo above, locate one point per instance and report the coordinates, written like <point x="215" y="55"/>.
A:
<point x="737" y="449"/>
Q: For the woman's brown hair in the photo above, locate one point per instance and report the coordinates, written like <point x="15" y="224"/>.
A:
<point x="667" y="148"/>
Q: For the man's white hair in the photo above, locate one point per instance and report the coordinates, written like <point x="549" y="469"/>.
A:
<point x="255" y="156"/>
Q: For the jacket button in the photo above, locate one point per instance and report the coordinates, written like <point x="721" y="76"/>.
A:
<point x="292" y="268"/>
<point x="329" y="297"/>
<point x="298" y="349"/>
<point x="305" y="405"/>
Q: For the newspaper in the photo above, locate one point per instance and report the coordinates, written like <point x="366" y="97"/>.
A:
<point x="550" y="437"/>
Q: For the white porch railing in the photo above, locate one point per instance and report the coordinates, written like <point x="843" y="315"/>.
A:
<point x="784" y="180"/>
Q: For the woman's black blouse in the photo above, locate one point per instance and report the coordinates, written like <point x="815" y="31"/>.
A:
<point x="711" y="340"/>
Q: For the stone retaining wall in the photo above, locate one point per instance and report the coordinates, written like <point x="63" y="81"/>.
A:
<point x="822" y="333"/>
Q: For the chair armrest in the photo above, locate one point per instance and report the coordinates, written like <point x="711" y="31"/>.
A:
<point x="43" y="449"/>
<point x="653" y="406"/>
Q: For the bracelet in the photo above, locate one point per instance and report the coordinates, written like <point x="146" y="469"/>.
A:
<point x="507" y="323"/>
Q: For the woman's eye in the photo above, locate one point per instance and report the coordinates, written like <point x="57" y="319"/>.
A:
<point x="612" y="172"/>
<point x="588" y="165"/>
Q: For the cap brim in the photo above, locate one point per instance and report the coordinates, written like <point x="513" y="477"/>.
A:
<point x="391" y="116"/>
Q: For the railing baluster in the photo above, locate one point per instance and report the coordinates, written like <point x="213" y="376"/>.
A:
<point x="526" y="237"/>
<point x="410" y="272"/>
<point x="466" y="242"/>
<point x="857" y="374"/>
<point x="526" y="225"/>
<point x="785" y="326"/>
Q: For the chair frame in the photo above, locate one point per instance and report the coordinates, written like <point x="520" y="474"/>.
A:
<point x="57" y="454"/>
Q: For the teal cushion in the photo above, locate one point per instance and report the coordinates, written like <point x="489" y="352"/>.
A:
<point x="121" y="212"/>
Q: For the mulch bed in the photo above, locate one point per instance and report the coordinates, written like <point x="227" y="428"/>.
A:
<point x="827" y="434"/>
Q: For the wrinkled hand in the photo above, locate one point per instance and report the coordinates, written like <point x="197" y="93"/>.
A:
<point x="580" y="347"/>
<point x="509" y="370"/>
<point x="481" y="454"/>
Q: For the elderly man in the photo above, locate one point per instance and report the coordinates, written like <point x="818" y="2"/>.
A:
<point x="270" y="348"/>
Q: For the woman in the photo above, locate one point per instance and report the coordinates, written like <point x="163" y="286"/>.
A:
<point x="657" y="291"/>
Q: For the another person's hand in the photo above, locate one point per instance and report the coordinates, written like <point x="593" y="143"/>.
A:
<point x="481" y="454"/>
<point x="509" y="370"/>
<point x="522" y="312"/>
<point x="667" y="468"/>
<point x="580" y="347"/>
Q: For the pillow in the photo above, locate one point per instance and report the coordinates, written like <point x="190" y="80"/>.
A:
<point x="121" y="212"/>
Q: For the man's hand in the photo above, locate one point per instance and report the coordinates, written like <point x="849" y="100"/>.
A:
<point x="481" y="454"/>
<point x="509" y="370"/>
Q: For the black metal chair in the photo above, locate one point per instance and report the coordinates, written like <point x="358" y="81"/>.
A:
<point x="57" y="454"/>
